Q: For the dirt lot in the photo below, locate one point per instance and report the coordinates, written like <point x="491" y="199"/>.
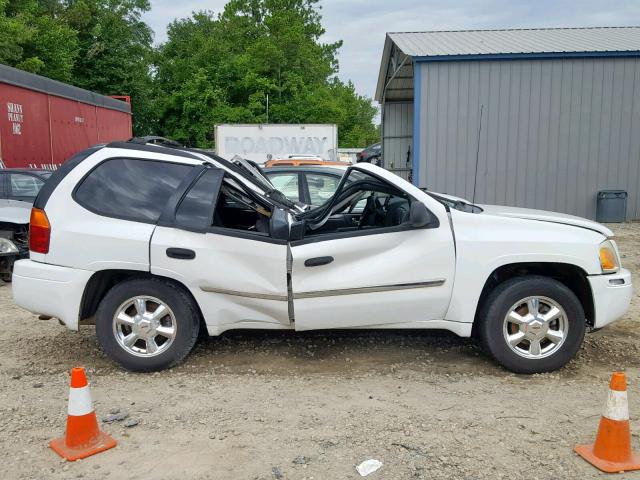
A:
<point x="295" y="406"/>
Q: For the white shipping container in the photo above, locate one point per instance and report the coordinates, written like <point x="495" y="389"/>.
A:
<point x="260" y="142"/>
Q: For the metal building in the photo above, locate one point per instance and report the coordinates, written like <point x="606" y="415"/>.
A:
<point x="537" y="118"/>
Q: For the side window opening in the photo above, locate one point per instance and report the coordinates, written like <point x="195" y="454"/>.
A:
<point x="219" y="201"/>
<point x="238" y="210"/>
<point x="364" y="203"/>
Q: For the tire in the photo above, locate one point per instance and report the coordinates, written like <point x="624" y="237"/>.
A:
<point x="150" y="350"/>
<point x="525" y="357"/>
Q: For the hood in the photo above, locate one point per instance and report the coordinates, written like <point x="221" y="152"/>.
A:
<point x="14" y="212"/>
<point x="544" y="216"/>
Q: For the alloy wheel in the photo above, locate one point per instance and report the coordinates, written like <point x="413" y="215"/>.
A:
<point x="535" y="327"/>
<point x="144" y="326"/>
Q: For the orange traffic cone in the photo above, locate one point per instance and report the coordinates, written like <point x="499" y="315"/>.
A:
<point x="611" y="451"/>
<point x="83" y="437"/>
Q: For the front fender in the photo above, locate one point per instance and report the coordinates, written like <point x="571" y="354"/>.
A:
<point x="486" y="243"/>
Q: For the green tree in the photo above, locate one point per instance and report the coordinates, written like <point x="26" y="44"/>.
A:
<point x="35" y="37"/>
<point x="100" y="45"/>
<point x="220" y="68"/>
<point x="213" y="69"/>
<point x="13" y="33"/>
<point x="116" y="54"/>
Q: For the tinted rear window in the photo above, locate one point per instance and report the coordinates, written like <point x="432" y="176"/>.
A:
<point x="130" y="189"/>
<point x="57" y="176"/>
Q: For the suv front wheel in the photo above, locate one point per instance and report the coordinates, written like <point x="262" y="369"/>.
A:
<point x="147" y="324"/>
<point x="532" y="324"/>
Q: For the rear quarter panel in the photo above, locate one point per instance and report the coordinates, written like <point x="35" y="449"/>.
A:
<point x="83" y="239"/>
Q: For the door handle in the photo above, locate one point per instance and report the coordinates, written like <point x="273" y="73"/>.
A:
<point x="317" y="261"/>
<point x="181" y="253"/>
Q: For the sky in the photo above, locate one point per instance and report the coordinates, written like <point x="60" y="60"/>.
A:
<point x="362" y="24"/>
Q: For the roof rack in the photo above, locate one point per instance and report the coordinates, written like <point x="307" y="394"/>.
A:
<point x="156" y="140"/>
<point x="139" y="144"/>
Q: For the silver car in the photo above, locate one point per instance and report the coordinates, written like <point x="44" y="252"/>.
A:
<point x="18" y="190"/>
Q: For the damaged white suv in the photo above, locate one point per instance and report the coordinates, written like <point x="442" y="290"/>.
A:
<point x="153" y="243"/>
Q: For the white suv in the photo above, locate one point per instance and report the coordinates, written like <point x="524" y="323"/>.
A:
<point x="153" y="243"/>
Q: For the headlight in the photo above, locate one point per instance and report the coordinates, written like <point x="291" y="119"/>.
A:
<point x="7" y="247"/>
<point x="609" y="260"/>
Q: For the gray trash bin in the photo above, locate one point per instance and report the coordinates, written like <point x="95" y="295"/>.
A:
<point x="611" y="206"/>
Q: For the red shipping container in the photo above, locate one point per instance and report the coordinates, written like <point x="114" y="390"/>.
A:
<point x="24" y="127"/>
<point x="44" y="122"/>
<point x="73" y="127"/>
<point x="111" y="126"/>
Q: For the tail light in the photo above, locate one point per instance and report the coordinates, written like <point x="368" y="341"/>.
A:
<point x="39" y="231"/>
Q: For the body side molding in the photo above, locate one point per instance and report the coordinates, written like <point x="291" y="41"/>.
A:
<point x="235" y="293"/>
<point x="325" y="293"/>
<point x="374" y="289"/>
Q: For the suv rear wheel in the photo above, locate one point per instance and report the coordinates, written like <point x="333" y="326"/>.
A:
<point x="147" y="324"/>
<point x="532" y="324"/>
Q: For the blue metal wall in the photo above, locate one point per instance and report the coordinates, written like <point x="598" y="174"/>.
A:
<point x="554" y="131"/>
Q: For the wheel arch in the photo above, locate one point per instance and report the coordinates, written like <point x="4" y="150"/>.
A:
<point x="572" y="276"/>
<point x="102" y="281"/>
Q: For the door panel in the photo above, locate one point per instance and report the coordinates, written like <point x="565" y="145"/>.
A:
<point x="341" y="222"/>
<point x="238" y="282"/>
<point x="375" y="280"/>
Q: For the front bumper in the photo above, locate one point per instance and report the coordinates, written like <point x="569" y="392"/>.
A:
<point x="50" y="290"/>
<point x="611" y="296"/>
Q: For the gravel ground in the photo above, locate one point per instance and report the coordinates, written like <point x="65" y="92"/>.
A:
<point x="254" y="405"/>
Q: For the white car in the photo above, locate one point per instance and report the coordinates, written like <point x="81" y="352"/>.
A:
<point x="154" y="243"/>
